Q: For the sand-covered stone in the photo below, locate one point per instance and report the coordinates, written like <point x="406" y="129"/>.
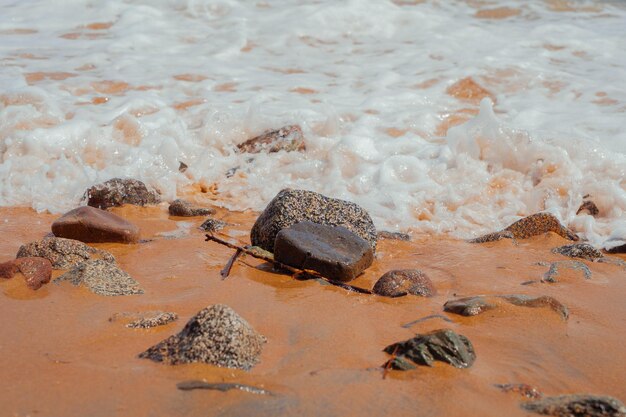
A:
<point x="383" y="234"/>
<point x="89" y="224"/>
<point x="525" y="390"/>
<point x="118" y="191"/>
<point x="579" y="250"/>
<point x="577" y="406"/>
<point x="472" y="306"/>
<point x="533" y="225"/>
<point x="212" y="225"/>
<point x="102" y="278"/>
<point x="63" y="253"/>
<point x="287" y="138"/>
<point x="217" y="335"/>
<point x="397" y="283"/>
<point x="468" y="306"/>
<point x="333" y="252"/>
<point x="184" y="208"/>
<point x="423" y="349"/>
<point x="556" y="267"/>
<point x="294" y="206"/>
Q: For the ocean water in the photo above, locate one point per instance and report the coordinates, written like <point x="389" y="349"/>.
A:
<point x="442" y="117"/>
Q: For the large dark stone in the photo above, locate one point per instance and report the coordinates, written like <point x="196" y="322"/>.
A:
<point x="423" y="349"/>
<point x="117" y="191"/>
<point x="398" y="283"/>
<point x="217" y="335"/>
<point x="63" y="253"/>
<point x="577" y="406"/>
<point x="287" y="138"/>
<point x="89" y="224"/>
<point x="294" y="206"/>
<point x="334" y="252"/>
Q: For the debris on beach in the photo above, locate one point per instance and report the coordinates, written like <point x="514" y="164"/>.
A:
<point x="293" y="206"/>
<point x="472" y="306"/>
<point x="555" y="267"/>
<point x="37" y="271"/>
<point x="333" y="252"/>
<point x="184" y="208"/>
<point x="63" y="253"/>
<point x="577" y="406"/>
<point x="219" y="386"/>
<point x="397" y="283"/>
<point x="102" y="278"/>
<point x="217" y="335"/>
<point x="579" y="250"/>
<point x="89" y="224"/>
<point x="524" y="390"/>
<point x="423" y="349"/>
<point x="118" y="191"/>
<point x="533" y="225"/>
<point x="287" y="138"/>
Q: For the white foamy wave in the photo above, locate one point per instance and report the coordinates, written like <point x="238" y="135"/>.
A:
<point x="387" y="94"/>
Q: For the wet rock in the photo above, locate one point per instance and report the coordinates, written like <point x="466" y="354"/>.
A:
<point x="182" y="167"/>
<point x="63" y="253"/>
<point x="423" y="349"/>
<point x="184" y="208"/>
<point x="117" y="192"/>
<point x="212" y="225"/>
<point x="579" y="250"/>
<point x="588" y="207"/>
<point x="89" y="224"/>
<point x="555" y="267"/>
<point x="216" y="335"/>
<point x="524" y="390"/>
<point x="36" y="271"/>
<point x="102" y="278"/>
<point x="8" y="269"/>
<point x="398" y="283"/>
<point x="393" y="236"/>
<point x="533" y="225"/>
<point x="160" y="318"/>
<point x="577" y="406"/>
<point x="472" y="306"/>
<point x="220" y="386"/>
<point x="293" y="206"/>
<point x="287" y="138"/>
<point x="468" y="306"/>
<point x="334" y="252"/>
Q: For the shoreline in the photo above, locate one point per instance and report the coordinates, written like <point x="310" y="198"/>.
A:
<point x="324" y="349"/>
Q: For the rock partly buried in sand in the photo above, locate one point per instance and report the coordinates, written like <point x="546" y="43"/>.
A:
<point x="145" y="320"/>
<point x="287" y="138"/>
<point x="533" y="225"/>
<point x="423" y="349"/>
<point x="524" y="390"/>
<point x="333" y="252"/>
<point x="89" y="224"/>
<point x="217" y="336"/>
<point x="579" y="250"/>
<point x="36" y="271"/>
<point x="472" y="306"/>
<point x="212" y="225"/>
<point x="102" y="278"/>
<point x="220" y="386"/>
<point x="294" y="206"/>
<point x="556" y="267"/>
<point x="184" y="208"/>
<point x="117" y="192"/>
<point x="577" y="406"/>
<point x="398" y="283"/>
<point x="393" y="235"/>
<point x="63" y="253"/>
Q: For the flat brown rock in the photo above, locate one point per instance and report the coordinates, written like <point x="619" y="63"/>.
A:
<point x="8" y="269"/>
<point x="397" y="283"/>
<point x="89" y="224"/>
<point x="118" y="191"/>
<point x="36" y="271"/>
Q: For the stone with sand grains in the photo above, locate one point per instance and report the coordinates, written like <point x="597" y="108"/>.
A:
<point x="89" y="224"/>
<point x="102" y="278"/>
<point x="287" y="138"/>
<point x="577" y="405"/>
<point x="397" y="283"/>
<point x="579" y="250"/>
<point x="424" y="349"/>
<point x="118" y="191"/>
<point x="333" y="252"/>
<point x="294" y="206"/>
<point x="36" y="271"/>
<point x="529" y="226"/>
<point x="184" y="208"/>
<point x="63" y="253"/>
<point x="217" y="335"/>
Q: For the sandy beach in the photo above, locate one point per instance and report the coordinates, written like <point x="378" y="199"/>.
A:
<point x="64" y="350"/>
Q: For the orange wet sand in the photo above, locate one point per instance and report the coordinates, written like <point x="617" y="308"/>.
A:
<point x="61" y="356"/>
